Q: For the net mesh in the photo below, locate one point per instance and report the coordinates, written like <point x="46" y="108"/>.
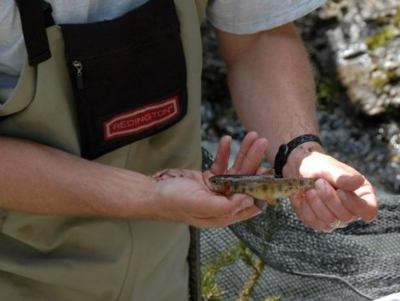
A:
<point x="275" y="257"/>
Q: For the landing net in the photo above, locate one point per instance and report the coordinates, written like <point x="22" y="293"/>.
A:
<point x="275" y="257"/>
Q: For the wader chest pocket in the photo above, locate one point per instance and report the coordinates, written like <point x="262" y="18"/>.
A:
<point x="129" y="76"/>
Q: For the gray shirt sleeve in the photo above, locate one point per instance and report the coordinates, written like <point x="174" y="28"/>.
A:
<point x="250" y="16"/>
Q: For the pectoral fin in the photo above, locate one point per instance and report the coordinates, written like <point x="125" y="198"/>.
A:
<point x="272" y="202"/>
<point x="269" y="172"/>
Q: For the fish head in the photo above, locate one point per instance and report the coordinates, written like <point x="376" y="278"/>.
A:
<point x="219" y="184"/>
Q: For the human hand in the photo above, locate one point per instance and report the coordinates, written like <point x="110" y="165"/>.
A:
<point x="183" y="195"/>
<point x="341" y="194"/>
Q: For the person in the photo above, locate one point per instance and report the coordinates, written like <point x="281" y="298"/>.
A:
<point x="99" y="186"/>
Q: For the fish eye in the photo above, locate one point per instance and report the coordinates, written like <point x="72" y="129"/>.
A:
<point x="215" y="181"/>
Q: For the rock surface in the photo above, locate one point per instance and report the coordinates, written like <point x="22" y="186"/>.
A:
<point x="358" y="41"/>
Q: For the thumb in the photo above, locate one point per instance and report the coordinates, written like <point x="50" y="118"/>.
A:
<point x="343" y="177"/>
<point x="349" y="182"/>
<point x="338" y="174"/>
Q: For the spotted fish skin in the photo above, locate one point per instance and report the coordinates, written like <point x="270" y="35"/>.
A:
<point x="262" y="187"/>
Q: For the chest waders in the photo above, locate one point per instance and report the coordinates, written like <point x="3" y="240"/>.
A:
<point x="84" y="259"/>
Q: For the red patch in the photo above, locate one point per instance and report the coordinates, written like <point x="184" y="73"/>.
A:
<point x="141" y="119"/>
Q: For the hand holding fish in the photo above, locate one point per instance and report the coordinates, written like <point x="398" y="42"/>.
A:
<point x="184" y="196"/>
<point x="325" y="193"/>
<point x="341" y="193"/>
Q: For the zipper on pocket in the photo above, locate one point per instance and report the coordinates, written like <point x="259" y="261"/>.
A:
<point x="79" y="75"/>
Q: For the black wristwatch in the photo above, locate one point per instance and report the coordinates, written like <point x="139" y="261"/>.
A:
<point x="285" y="150"/>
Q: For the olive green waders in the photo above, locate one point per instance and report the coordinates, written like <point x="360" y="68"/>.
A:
<point x="88" y="259"/>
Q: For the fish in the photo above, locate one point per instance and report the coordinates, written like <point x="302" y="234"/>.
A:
<point x="262" y="187"/>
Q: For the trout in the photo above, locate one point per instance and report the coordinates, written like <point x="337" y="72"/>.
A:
<point x="262" y="187"/>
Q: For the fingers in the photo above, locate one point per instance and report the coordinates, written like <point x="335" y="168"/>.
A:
<point x="321" y="215"/>
<point x="218" y="205"/>
<point x="338" y="174"/>
<point x="261" y="171"/>
<point x="240" y="213"/>
<point x="325" y="198"/>
<point x="229" y="220"/>
<point x="309" y="218"/>
<point x="349" y="205"/>
<point x="363" y="202"/>
<point x="221" y="211"/>
<point x="247" y="142"/>
<point x="250" y="155"/>
<point x="220" y="164"/>
<point x="343" y="177"/>
<point x="350" y="182"/>
<point x="318" y="208"/>
<point x="341" y="194"/>
<point x="247" y="159"/>
<point x="325" y="208"/>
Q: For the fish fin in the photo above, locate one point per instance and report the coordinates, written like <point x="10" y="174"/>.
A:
<point x="269" y="172"/>
<point x="261" y="204"/>
<point x="271" y="202"/>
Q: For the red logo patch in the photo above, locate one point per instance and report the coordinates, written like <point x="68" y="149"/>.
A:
<point x="141" y="119"/>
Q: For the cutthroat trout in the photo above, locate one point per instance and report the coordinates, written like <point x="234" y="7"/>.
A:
<point x="262" y="187"/>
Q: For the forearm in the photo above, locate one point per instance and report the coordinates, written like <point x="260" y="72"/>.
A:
<point x="273" y="91"/>
<point x="42" y="180"/>
<point x="272" y="85"/>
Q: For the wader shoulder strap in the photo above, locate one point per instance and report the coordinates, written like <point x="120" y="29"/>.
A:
<point x="35" y="17"/>
<point x="201" y="8"/>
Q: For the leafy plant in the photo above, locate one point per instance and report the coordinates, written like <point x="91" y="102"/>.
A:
<point x="211" y="291"/>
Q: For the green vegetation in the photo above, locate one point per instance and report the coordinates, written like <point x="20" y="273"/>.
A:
<point x="383" y="20"/>
<point x="396" y="18"/>
<point x="211" y="291"/>
<point x="327" y="90"/>
<point x="258" y="268"/>
<point x="231" y="112"/>
<point x="390" y="76"/>
<point x="390" y="28"/>
<point x="382" y="37"/>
